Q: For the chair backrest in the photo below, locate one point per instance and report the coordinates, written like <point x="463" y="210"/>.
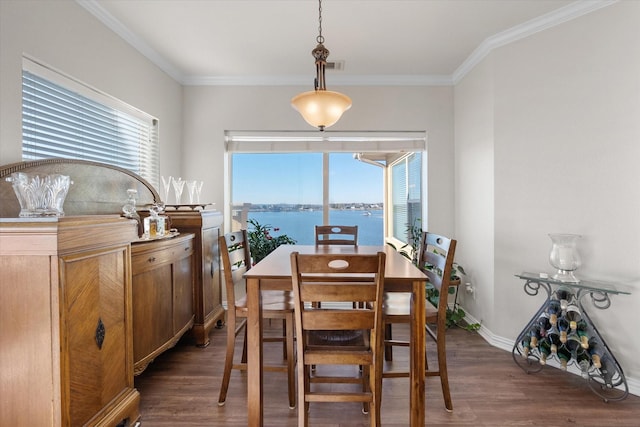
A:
<point x="435" y="259"/>
<point x="236" y="260"/>
<point x="337" y="235"/>
<point x="338" y="278"/>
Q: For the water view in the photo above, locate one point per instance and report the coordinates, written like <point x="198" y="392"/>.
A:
<point x="299" y="225"/>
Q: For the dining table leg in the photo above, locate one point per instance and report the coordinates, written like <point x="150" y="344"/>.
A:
<point x="254" y="353"/>
<point x="417" y="355"/>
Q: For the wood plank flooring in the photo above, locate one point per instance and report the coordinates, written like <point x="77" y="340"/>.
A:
<point x="180" y="388"/>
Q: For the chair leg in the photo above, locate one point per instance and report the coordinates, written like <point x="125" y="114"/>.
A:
<point x="388" y="348"/>
<point x="291" y="374"/>
<point x="366" y="386"/>
<point x="244" y="347"/>
<point x="284" y="339"/>
<point x="444" y="377"/>
<point x="228" y="361"/>
<point x="303" y="388"/>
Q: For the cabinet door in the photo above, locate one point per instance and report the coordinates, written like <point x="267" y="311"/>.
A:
<point x="94" y="306"/>
<point x="152" y="301"/>
<point x="212" y="297"/>
<point x="182" y="293"/>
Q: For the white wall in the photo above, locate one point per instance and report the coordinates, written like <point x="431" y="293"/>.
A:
<point x="66" y="37"/>
<point x="547" y="139"/>
<point x="209" y="111"/>
<point x="554" y="120"/>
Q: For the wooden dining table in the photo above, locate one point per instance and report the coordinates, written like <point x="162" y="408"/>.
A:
<point x="274" y="272"/>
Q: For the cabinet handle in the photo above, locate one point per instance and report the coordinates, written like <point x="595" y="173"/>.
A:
<point x="211" y="268"/>
<point x="151" y="259"/>
<point x="100" y="333"/>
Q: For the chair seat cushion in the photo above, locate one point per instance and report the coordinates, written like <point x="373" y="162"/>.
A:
<point x="399" y="304"/>
<point x="346" y="337"/>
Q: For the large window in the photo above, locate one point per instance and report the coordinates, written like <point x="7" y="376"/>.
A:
<point x="406" y="194"/>
<point x="63" y="118"/>
<point x="295" y="181"/>
<point x="287" y="191"/>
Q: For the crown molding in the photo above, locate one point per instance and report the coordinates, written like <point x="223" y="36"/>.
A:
<point x="564" y="14"/>
<point x="557" y="17"/>
<point x="130" y="37"/>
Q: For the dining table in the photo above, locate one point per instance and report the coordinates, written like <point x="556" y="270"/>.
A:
<point x="274" y="273"/>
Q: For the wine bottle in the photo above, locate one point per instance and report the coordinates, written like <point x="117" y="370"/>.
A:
<point x="564" y="355"/>
<point x="544" y="347"/>
<point x="573" y="344"/>
<point x="535" y="335"/>
<point x="581" y="330"/>
<point x="563" y="326"/>
<point x="554" y="336"/>
<point x="564" y="295"/>
<point x="596" y="351"/>
<point x="584" y="362"/>
<point x="554" y="310"/>
<point x="544" y="323"/>
<point x="573" y="315"/>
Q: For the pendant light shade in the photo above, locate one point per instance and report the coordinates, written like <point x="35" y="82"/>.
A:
<point x="321" y="108"/>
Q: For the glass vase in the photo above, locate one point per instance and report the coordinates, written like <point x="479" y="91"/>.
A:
<point x="564" y="256"/>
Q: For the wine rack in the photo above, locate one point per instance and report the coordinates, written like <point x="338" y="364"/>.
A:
<point x="551" y="334"/>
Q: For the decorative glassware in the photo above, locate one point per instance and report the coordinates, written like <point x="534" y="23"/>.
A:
<point x="130" y="211"/>
<point x="564" y="256"/>
<point x="40" y="195"/>
<point x="191" y="187"/>
<point x="199" y="185"/>
<point x="166" y="185"/>
<point x="178" y="187"/>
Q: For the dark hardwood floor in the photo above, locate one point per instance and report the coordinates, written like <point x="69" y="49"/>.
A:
<point x="180" y="388"/>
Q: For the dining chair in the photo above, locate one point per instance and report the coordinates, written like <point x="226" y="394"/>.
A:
<point x="435" y="259"/>
<point x="346" y="235"/>
<point x="337" y="235"/>
<point x="338" y="333"/>
<point x="236" y="260"/>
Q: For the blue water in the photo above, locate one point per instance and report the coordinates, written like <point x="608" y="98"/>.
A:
<point x="299" y="225"/>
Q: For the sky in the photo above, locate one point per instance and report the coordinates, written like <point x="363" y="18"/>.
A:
<point x="296" y="178"/>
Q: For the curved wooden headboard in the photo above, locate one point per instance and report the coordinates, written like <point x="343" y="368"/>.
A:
<point x="97" y="188"/>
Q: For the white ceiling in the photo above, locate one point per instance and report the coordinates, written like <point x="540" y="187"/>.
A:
<point x="380" y="41"/>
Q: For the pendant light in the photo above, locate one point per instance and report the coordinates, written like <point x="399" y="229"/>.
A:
<point x="321" y="108"/>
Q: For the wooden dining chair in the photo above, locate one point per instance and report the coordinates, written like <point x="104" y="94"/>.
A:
<point x="236" y="260"/>
<point x="346" y="235"/>
<point x="435" y="259"/>
<point x="338" y="333"/>
<point x="337" y="235"/>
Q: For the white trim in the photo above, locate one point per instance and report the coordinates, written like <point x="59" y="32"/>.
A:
<point x="93" y="7"/>
<point x="324" y="142"/>
<point x="564" y="14"/>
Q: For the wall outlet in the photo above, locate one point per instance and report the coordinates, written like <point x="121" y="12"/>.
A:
<point x="470" y="290"/>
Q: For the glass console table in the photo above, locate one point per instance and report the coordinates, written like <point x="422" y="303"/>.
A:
<point x="582" y="347"/>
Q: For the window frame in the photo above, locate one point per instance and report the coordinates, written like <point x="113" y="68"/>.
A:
<point x="393" y="151"/>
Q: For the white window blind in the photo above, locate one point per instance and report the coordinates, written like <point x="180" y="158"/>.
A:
<point x="62" y="119"/>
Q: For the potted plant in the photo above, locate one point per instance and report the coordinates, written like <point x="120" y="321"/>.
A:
<point x="411" y="251"/>
<point x="263" y="241"/>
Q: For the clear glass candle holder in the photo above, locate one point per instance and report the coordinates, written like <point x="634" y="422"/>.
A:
<point x="564" y="256"/>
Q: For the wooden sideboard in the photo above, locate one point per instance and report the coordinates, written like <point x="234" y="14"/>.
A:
<point x="209" y="311"/>
<point x="66" y="343"/>
<point x="163" y="285"/>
